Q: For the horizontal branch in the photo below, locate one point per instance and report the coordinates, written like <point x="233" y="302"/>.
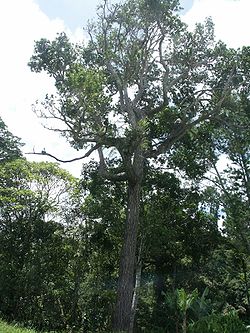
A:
<point x="88" y="153"/>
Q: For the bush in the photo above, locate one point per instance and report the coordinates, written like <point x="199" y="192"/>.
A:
<point x="229" y="323"/>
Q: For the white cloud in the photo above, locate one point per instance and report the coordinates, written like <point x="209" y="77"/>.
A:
<point x="231" y="18"/>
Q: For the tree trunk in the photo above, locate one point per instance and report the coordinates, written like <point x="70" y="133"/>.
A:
<point x="123" y="309"/>
<point x="135" y="295"/>
<point x="184" y="324"/>
<point x="244" y="266"/>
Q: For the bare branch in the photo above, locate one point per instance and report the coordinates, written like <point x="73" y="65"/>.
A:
<point x="89" y="152"/>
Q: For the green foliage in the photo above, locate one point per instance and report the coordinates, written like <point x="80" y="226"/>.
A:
<point x="185" y="300"/>
<point x="229" y="323"/>
<point x="6" y="328"/>
<point x="33" y="250"/>
<point x="225" y="274"/>
<point x="201" y="306"/>
<point x="59" y="54"/>
<point x="9" y="144"/>
<point x="25" y="184"/>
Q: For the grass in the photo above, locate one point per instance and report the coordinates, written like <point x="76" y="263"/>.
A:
<point x="6" y="328"/>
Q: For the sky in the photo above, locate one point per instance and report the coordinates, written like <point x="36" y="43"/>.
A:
<point x="24" y="21"/>
<point x="76" y="13"/>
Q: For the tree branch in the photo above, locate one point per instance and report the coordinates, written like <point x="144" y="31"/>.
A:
<point x="121" y="176"/>
<point x="88" y="153"/>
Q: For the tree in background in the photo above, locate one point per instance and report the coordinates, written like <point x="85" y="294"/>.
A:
<point x="9" y="144"/>
<point x="139" y="86"/>
<point x="33" y="248"/>
<point x="230" y="191"/>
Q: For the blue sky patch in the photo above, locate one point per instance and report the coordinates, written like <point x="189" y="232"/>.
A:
<point x="76" y="13"/>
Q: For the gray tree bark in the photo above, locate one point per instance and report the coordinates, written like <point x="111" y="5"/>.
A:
<point x="123" y="309"/>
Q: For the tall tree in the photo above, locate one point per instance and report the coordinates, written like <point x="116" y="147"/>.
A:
<point x="142" y="82"/>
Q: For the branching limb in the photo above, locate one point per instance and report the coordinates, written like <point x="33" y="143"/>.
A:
<point x="220" y="181"/>
<point x="121" y="176"/>
<point x="165" y="145"/>
<point x="184" y="127"/>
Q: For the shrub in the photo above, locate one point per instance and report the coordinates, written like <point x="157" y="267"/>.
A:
<point x="215" y="323"/>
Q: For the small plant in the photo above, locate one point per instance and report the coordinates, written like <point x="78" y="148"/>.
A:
<point x="184" y="302"/>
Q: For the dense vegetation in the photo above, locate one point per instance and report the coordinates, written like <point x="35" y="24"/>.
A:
<point x="154" y="236"/>
<point x="5" y="328"/>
